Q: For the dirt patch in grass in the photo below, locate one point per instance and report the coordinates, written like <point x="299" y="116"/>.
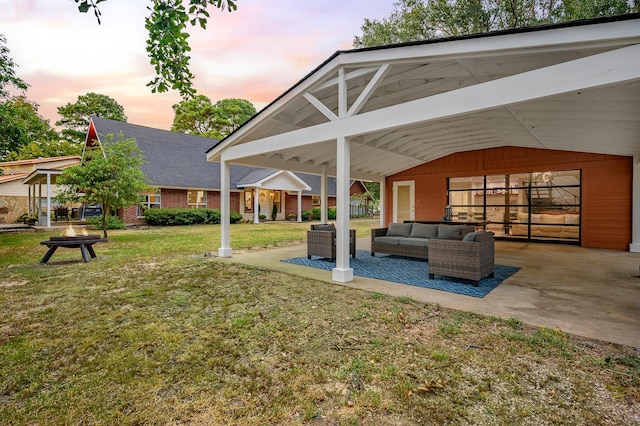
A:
<point x="193" y="340"/>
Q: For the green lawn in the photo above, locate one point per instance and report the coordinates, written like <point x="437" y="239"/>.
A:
<point x="155" y="332"/>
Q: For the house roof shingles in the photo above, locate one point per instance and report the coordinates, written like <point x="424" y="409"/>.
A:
<point x="178" y="160"/>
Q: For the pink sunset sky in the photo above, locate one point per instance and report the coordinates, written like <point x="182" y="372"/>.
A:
<point x="255" y="53"/>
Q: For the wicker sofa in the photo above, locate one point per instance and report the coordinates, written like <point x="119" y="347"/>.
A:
<point x="321" y="241"/>
<point x="472" y="258"/>
<point x="413" y="239"/>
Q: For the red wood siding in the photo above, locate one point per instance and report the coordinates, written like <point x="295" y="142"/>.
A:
<point x="606" y="186"/>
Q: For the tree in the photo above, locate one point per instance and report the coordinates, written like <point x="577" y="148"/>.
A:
<point x="198" y="116"/>
<point x="7" y="71"/>
<point x="20" y="124"/>
<point x="76" y="116"/>
<point x="167" y="45"/>
<point x="414" y="20"/>
<point x="44" y="149"/>
<point x="109" y="176"/>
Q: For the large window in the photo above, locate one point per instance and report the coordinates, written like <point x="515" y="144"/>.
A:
<point x="248" y="201"/>
<point x="537" y="205"/>
<point x="196" y="199"/>
<point x="149" y="200"/>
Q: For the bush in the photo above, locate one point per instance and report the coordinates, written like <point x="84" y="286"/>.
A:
<point x="304" y="214"/>
<point x="331" y="213"/>
<point x="185" y="216"/>
<point x="112" y="222"/>
<point x="316" y="212"/>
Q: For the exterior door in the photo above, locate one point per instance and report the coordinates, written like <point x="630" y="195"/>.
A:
<point x="403" y="201"/>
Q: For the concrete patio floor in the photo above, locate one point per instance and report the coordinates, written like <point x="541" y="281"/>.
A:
<point x="592" y="293"/>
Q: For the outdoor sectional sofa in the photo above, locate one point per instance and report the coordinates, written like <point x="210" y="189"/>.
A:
<point x="412" y="239"/>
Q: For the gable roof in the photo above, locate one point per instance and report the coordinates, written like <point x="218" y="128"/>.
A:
<point x="178" y="160"/>
<point x="572" y="86"/>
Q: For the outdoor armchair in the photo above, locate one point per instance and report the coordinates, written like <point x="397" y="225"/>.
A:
<point x="321" y="241"/>
<point x="472" y="258"/>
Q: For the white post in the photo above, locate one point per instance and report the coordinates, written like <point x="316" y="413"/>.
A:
<point x="256" y="205"/>
<point x="635" y="208"/>
<point x="225" y="210"/>
<point x="383" y="200"/>
<point x="48" y="200"/>
<point x="299" y="206"/>
<point x="324" y="198"/>
<point x="342" y="272"/>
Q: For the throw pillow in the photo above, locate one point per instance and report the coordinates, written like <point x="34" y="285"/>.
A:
<point x="399" y="229"/>
<point x="470" y="237"/>
<point x="424" y="230"/>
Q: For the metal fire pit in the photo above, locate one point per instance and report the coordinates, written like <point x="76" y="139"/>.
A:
<point x="83" y="242"/>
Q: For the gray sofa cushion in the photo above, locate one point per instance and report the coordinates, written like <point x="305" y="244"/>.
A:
<point x="448" y="231"/>
<point x="399" y="229"/>
<point x="424" y="230"/>
<point x="387" y="240"/>
<point x="328" y="227"/>
<point x="414" y="242"/>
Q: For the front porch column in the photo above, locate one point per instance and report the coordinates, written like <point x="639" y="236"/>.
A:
<point x="299" y="207"/>
<point x="225" y="210"/>
<point x="635" y="208"/>
<point x="256" y="205"/>
<point x="342" y="272"/>
<point x="324" y="199"/>
<point x="48" y="200"/>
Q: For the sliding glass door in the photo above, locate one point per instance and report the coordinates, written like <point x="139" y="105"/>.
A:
<point x="536" y="205"/>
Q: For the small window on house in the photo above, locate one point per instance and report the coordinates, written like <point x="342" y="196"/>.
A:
<point x="149" y="200"/>
<point x="315" y="200"/>
<point x="197" y="199"/>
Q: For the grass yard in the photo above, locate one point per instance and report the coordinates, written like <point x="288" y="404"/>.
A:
<point x="154" y="331"/>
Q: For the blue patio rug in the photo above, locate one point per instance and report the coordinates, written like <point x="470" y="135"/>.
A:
<point x="409" y="271"/>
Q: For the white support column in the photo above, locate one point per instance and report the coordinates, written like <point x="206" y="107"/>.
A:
<point x="635" y="207"/>
<point x="225" y="210"/>
<point x="256" y="205"/>
<point x="324" y="197"/>
<point x="299" y="207"/>
<point x="342" y="272"/>
<point x="48" y="200"/>
<point x="383" y="201"/>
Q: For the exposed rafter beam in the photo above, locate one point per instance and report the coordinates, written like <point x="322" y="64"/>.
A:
<point x="320" y="107"/>
<point x="368" y="91"/>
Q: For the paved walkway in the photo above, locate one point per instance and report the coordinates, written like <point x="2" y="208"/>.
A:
<point x="587" y="292"/>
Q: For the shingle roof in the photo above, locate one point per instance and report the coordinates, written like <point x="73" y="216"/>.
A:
<point x="178" y="160"/>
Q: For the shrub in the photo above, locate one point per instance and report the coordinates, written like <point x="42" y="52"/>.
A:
<point x="331" y="213"/>
<point x="185" y="216"/>
<point x="316" y="212"/>
<point x="111" y="222"/>
<point x="304" y="214"/>
<point x="292" y="216"/>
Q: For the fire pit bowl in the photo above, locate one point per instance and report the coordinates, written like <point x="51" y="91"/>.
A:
<point x="75" y="237"/>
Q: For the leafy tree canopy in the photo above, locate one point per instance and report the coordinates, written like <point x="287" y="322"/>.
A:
<point x="414" y="20"/>
<point x="76" y="116"/>
<point x="111" y="177"/>
<point x="45" y="149"/>
<point x="20" y="124"/>
<point x="7" y="71"/>
<point x="168" y="45"/>
<point x="198" y="116"/>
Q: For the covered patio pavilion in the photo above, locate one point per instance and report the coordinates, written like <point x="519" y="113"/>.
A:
<point x="370" y="113"/>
